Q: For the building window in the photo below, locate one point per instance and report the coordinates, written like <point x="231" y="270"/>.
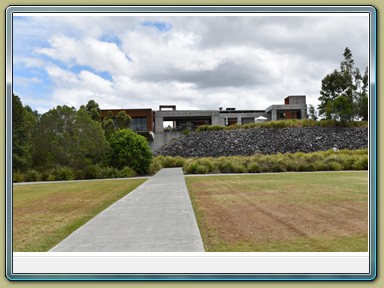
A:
<point x="139" y="124"/>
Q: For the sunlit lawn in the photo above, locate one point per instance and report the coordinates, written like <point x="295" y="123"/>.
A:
<point x="45" y="214"/>
<point x="282" y="212"/>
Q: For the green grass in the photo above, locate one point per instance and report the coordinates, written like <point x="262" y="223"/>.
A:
<point x="282" y="212"/>
<point x="45" y="214"/>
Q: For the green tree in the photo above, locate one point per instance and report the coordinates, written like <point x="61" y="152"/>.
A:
<point x="93" y="110"/>
<point x="361" y="95"/>
<point x="109" y="125"/>
<point x="123" y="120"/>
<point x="312" y="112"/>
<point x="23" y="122"/>
<point x="129" y="149"/>
<point x="66" y="137"/>
<point x="331" y="87"/>
<point x="345" y="84"/>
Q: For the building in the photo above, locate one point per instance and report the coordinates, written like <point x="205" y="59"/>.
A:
<point x="142" y="120"/>
<point x="150" y="123"/>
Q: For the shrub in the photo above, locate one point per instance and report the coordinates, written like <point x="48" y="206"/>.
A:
<point x="64" y="173"/>
<point x="361" y="163"/>
<point x="315" y="161"/>
<point x="108" y="172"/>
<point x="128" y="148"/>
<point x="231" y="165"/>
<point x="210" y="128"/>
<point x="333" y="166"/>
<point x="127" y="172"/>
<point x="92" y="172"/>
<point x="155" y="166"/>
<point x="208" y="163"/>
<point x="286" y="124"/>
<point x="32" y="176"/>
<point x="79" y="174"/>
<point x="17" y="176"/>
<point x="193" y="167"/>
<point x="170" y="162"/>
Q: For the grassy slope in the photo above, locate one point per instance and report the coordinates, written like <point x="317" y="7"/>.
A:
<point x="44" y="214"/>
<point x="286" y="212"/>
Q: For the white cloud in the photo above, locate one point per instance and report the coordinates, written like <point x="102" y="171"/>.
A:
<point x="102" y="56"/>
<point x="200" y="63"/>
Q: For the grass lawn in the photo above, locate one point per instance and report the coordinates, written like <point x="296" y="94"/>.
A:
<point x="282" y="212"/>
<point x="45" y="214"/>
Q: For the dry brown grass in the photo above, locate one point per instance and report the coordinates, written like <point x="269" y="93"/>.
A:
<point x="282" y="212"/>
<point x="44" y="214"/>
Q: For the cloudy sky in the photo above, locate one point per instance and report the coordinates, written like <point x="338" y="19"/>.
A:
<point x="194" y="62"/>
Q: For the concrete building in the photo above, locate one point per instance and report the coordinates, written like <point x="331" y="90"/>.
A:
<point x="151" y="123"/>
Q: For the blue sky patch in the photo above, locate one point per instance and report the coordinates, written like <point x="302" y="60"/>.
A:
<point x="111" y="39"/>
<point x="161" y="26"/>
<point x="78" y="68"/>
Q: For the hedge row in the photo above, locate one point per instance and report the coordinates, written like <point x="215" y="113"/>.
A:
<point x="316" y="161"/>
<point x="285" y="124"/>
<point x="66" y="173"/>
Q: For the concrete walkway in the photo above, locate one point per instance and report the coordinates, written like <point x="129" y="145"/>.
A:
<point x="155" y="217"/>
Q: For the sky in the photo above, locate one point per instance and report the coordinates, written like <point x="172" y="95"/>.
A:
<point x="194" y="62"/>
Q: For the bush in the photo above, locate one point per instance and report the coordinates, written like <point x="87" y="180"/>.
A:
<point x="155" y="165"/>
<point x="32" y="176"/>
<point x="64" y="173"/>
<point x="129" y="149"/>
<point x="361" y="163"/>
<point x="286" y="124"/>
<point x="209" y="164"/>
<point x="92" y="172"/>
<point x="210" y="128"/>
<point x="170" y="162"/>
<point x="186" y="131"/>
<point x="193" y="167"/>
<point x="315" y="161"/>
<point x="127" y="172"/>
<point x="79" y="174"/>
<point x="253" y="168"/>
<point x="231" y="165"/>
<point x="108" y="172"/>
<point x="17" y="176"/>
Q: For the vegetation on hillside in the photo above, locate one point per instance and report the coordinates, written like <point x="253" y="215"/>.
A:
<point x="285" y="124"/>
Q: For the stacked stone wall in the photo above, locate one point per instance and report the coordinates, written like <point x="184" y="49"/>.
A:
<point x="265" y="141"/>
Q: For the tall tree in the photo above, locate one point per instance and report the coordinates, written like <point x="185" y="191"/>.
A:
<point x="342" y="92"/>
<point x="361" y="95"/>
<point x="93" y="110"/>
<point x="109" y="125"/>
<point x="312" y="112"/>
<point x="23" y="123"/>
<point x="66" y="137"/>
<point x="123" y="120"/>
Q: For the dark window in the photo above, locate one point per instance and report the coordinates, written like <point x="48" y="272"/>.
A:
<point x="139" y="124"/>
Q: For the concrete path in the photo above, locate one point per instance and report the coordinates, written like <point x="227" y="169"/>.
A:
<point x="155" y="217"/>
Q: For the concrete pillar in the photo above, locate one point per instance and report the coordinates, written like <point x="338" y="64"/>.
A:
<point x="159" y="123"/>
<point x="217" y="121"/>
<point x="274" y="114"/>
<point x="304" y="113"/>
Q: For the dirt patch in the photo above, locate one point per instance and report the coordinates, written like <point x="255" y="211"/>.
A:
<point x="234" y="216"/>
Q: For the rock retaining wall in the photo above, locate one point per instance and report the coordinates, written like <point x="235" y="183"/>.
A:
<point x="265" y="141"/>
